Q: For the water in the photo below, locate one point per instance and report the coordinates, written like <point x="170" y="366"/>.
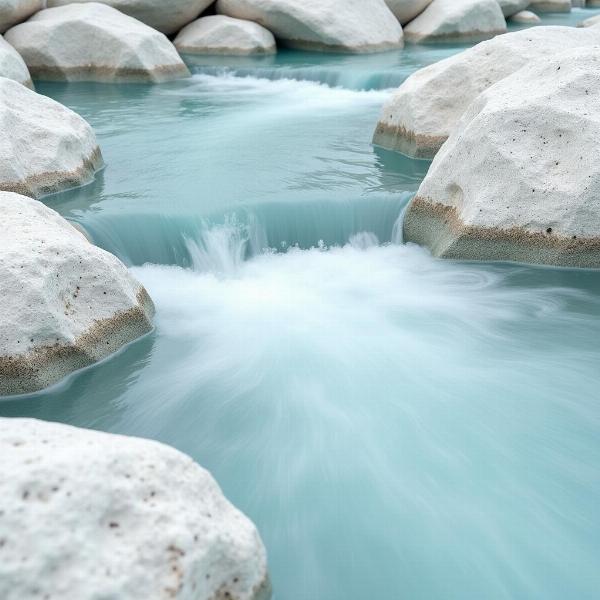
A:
<point x="397" y="426"/>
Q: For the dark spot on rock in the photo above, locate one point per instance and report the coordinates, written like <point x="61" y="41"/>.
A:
<point x="549" y="230"/>
<point x="113" y="525"/>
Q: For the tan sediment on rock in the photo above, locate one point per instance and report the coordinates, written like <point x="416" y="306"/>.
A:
<point x="399" y="139"/>
<point x="227" y="51"/>
<point x="338" y="48"/>
<point x="471" y="36"/>
<point x="438" y="227"/>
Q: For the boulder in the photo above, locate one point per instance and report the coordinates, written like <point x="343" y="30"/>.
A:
<point x="407" y="10"/>
<point x="89" y="515"/>
<point x="469" y="20"/>
<point x="519" y="178"/>
<point x="45" y="147"/>
<point x="545" y="6"/>
<point x="94" y="42"/>
<point x="219" y="34"/>
<point x="590" y="22"/>
<point x="65" y="303"/>
<point x="15" y="11"/>
<point x="167" y="16"/>
<point x="525" y="16"/>
<point x="511" y="7"/>
<point x="12" y="66"/>
<point x="422" y="113"/>
<point x="324" y="25"/>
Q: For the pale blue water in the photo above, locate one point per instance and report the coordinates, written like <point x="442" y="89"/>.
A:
<point x="396" y="426"/>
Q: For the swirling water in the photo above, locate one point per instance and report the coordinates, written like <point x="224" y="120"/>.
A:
<point x="397" y="426"/>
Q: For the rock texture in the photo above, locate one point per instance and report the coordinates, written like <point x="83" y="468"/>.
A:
<point x="45" y="147"/>
<point x="168" y="16"/>
<point x="444" y="20"/>
<point x="89" y="515"/>
<point x="219" y="34"/>
<point x="519" y="178"/>
<point x="544" y="6"/>
<point x="64" y="303"/>
<point x="590" y="22"/>
<point x="407" y="10"/>
<point x="15" y="11"/>
<point x="325" y="25"/>
<point x="12" y="66"/>
<point x="420" y="116"/>
<point x="525" y="16"/>
<point x="94" y="42"/>
<point x="511" y="7"/>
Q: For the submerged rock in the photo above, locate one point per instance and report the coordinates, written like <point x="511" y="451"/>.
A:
<point x="219" y="34"/>
<point x="519" y="178"/>
<point x="407" y="10"/>
<point x="511" y="7"/>
<point x="94" y="42"/>
<point x="168" y="16"/>
<point x="45" y="147"/>
<point x="15" y="11"/>
<point x="424" y="110"/>
<point x="88" y="515"/>
<point x="525" y="16"/>
<point x="445" y="20"/>
<point x="64" y="302"/>
<point x="544" y="6"/>
<point x="12" y="65"/>
<point x="327" y="25"/>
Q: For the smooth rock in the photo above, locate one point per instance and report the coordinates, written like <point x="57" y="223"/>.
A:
<point x="168" y="16"/>
<point x="511" y="7"/>
<point x="324" y="25"/>
<point x="590" y="22"/>
<point x="469" y="20"/>
<point x="45" y="147"/>
<point x="64" y="303"/>
<point x="94" y="42"/>
<point x="424" y="110"/>
<point x="12" y="65"/>
<point x="86" y="515"/>
<point x="219" y="34"/>
<point x="519" y="178"/>
<point x="545" y="6"/>
<point x="16" y="11"/>
<point x="525" y="16"/>
<point x="407" y="10"/>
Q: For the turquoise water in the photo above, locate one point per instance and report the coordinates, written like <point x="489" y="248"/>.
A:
<point x="396" y="426"/>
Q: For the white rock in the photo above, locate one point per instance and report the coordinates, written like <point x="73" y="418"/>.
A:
<point x="407" y="10"/>
<point x="328" y="25"/>
<point x="457" y="20"/>
<point x="94" y="42"/>
<point x="168" y="16"/>
<point x="511" y="7"/>
<point x="12" y="66"/>
<point x="544" y="6"/>
<point x="86" y="515"/>
<point x="15" y="11"/>
<point x="64" y="303"/>
<point x="419" y="117"/>
<point x="590" y="22"/>
<point x="219" y="34"/>
<point x="519" y="178"/>
<point x="45" y="147"/>
<point x="525" y="16"/>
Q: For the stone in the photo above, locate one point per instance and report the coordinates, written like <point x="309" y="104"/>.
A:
<point x="16" y="11"/>
<point x="545" y="6"/>
<point x="407" y="10"/>
<point x="511" y="7"/>
<point x="12" y="66"/>
<point x="590" y="22"/>
<point x="525" y="16"/>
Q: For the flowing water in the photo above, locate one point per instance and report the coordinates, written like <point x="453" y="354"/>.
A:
<point x="396" y="426"/>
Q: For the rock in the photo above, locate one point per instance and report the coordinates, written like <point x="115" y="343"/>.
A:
<point x="65" y="303"/>
<point x="525" y="16"/>
<point x="511" y="7"/>
<point x="45" y="147"/>
<point x="15" y="11"/>
<point x="590" y="22"/>
<point x="545" y="6"/>
<point x="519" y="178"/>
<point x="94" y="42"/>
<point x="168" y="16"/>
<point x="12" y="66"/>
<point x="419" y="117"/>
<point x="443" y="20"/>
<point x="326" y="25"/>
<point x="407" y="10"/>
<point x="219" y="34"/>
<point x="89" y="515"/>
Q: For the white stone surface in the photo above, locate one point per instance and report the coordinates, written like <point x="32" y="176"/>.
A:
<point x="425" y="109"/>
<point x="219" y="34"/>
<point x="525" y="16"/>
<point x="543" y="6"/>
<point x="456" y="20"/>
<point x="94" y="42"/>
<point x="511" y="7"/>
<point x="407" y="10"/>
<point x="15" y="11"/>
<point x="86" y="515"/>
<point x="519" y="178"/>
<point x="12" y="66"/>
<point x="168" y="16"/>
<point x="45" y="147"/>
<point x="326" y="25"/>
<point x="64" y="303"/>
<point x="590" y="22"/>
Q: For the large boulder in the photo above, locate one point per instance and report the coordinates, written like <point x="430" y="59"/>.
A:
<point x="422" y="113"/>
<point x="519" y="178"/>
<point x="407" y="10"/>
<point x="469" y="20"/>
<point x="218" y="34"/>
<point x="89" y="515"/>
<point x="15" y="11"/>
<point x="511" y="7"/>
<point x="525" y="16"/>
<point x="12" y="65"/>
<point x="544" y="6"/>
<point x="65" y="303"/>
<point x="168" y="16"/>
<point x="94" y="42"/>
<point x="45" y="147"/>
<point x="325" y="25"/>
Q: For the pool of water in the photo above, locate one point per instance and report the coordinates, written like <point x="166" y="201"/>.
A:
<point x="396" y="426"/>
